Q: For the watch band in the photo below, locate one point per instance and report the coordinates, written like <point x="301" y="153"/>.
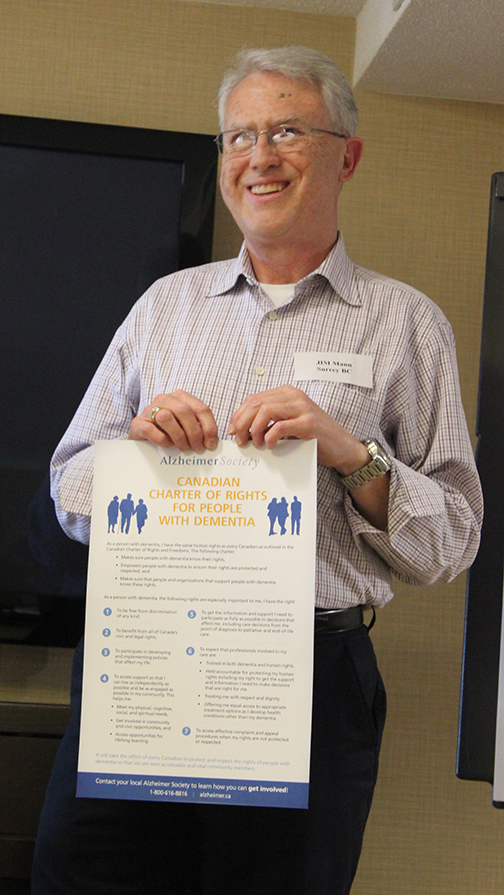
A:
<point x="379" y="464"/>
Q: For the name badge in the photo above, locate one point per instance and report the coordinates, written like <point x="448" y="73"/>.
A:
<point x="356" y="369"/>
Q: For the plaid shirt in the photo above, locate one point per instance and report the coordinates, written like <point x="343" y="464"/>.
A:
<point x="212" y="332"/>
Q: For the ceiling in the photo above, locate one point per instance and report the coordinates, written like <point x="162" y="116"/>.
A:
<point x="447" y="49"/>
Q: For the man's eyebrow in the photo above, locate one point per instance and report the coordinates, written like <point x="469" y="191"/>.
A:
<point x="284" y="119"/>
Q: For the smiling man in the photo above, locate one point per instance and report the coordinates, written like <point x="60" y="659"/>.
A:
<point x="229" y="350"/>
<point x="283" y="192"/>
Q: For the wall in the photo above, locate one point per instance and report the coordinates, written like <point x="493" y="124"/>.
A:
<point x="417" y="210"/>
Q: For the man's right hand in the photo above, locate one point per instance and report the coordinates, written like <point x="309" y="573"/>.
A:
<point x="182" y="421"/>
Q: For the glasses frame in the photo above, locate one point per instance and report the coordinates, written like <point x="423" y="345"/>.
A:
<point x="306" y="128"/>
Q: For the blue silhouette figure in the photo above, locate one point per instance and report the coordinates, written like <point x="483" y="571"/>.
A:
<point x="295" y="509"/>
<point x="113" y="513"/>
<point x="282" y="513"/>
<point x="141" y="514"/>
<point x="127" y="508"/>
<point x="272" y="514"/>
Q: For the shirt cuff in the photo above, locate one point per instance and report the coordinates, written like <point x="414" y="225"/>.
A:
<point x="412" y="496"/>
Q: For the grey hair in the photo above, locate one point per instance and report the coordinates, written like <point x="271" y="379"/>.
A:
<point x="299" y="64"/>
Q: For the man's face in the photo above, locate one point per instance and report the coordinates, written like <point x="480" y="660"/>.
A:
<point x="279" y="199"/>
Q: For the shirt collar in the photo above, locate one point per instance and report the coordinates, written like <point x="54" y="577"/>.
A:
<point x="238" y="267"/>
<point x="337" y="269"/>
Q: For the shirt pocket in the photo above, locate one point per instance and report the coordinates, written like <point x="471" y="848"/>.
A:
<point x="355" y="408"/>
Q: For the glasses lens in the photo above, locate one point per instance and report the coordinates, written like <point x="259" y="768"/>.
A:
<point x="239" y="142"/>
<point x="285" y="138"/>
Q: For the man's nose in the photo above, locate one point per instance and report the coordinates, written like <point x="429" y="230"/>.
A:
<point x="265" y="152"/>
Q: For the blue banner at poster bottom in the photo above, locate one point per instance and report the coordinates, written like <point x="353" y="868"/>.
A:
<point x="205" y="790"/>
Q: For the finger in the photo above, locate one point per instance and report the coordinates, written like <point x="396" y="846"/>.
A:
<point x="255" y="400"/>
<point x="287" y="420"/>
<point x="243" y="418"/>
<point x="181" y="428"/>
<point x="145" y="430"/>
<point x="301" y="427"/>
<point x="182" y="421"/>
<point x="258" y="413"/>
<point x="195" y="419"/>
<point x="265" y="419"/>
<point x="240" y="424"/>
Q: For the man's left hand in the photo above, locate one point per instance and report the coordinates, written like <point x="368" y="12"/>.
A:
<point x="287" y="412"/>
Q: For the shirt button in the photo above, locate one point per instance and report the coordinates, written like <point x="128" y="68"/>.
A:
<point x="272" y="315"/>
<point x="260" y="371"/>
<point x="250" y="282"/>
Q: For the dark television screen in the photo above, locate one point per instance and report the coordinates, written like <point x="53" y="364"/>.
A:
<point x="90" y="216"/>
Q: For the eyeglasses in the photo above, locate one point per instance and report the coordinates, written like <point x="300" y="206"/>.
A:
<point x="284" y="137"/>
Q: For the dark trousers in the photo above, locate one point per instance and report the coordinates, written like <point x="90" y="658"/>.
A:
<point x="119" y="847"/>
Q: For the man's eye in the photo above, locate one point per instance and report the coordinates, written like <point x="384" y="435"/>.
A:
<point x="287" y="133"/>
<point x="241" y="137"/>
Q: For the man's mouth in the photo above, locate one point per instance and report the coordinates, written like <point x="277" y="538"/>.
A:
<point x="260" y="188"/>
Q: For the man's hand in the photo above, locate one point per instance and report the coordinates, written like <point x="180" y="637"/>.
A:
<point x="181" y="421"/>
<point x="286" y="412"/>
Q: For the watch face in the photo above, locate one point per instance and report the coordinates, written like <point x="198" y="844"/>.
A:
<point x="379" y="455"/>
<point x="378" y="465"/>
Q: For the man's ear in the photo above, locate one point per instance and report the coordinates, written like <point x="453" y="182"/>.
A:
<point x="353" y="153"/>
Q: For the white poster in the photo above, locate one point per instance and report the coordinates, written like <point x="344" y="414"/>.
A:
<point x="199" y="625"/>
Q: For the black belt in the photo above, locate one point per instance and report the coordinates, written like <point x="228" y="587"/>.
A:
<point x="334" y="620"/>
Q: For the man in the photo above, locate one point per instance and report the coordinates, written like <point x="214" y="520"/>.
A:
<point x="213" y="353"/>
<point x="295" y="509"/>
<point x="127" y="508"/>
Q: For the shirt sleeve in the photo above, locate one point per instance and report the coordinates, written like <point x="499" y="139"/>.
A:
<point x="435" y="501"/>
<point x="106" y="411"/>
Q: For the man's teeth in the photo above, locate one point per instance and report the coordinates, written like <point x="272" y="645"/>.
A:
<point x="267" y="188"/>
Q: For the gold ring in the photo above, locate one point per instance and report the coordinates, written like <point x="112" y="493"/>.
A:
<point x="153" y="413"/>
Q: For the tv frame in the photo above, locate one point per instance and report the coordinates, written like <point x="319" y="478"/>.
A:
<point x="476" y="754"/>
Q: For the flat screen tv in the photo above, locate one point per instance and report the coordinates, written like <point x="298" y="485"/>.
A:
<point x="90" y="216"/>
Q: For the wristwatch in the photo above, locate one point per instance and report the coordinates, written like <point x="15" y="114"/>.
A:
<point x="379" y="464"/>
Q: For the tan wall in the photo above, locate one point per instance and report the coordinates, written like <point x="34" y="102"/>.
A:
<point x="417" y="210"/>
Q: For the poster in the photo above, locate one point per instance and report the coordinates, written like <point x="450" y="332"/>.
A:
<point x="199" y="625"/>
